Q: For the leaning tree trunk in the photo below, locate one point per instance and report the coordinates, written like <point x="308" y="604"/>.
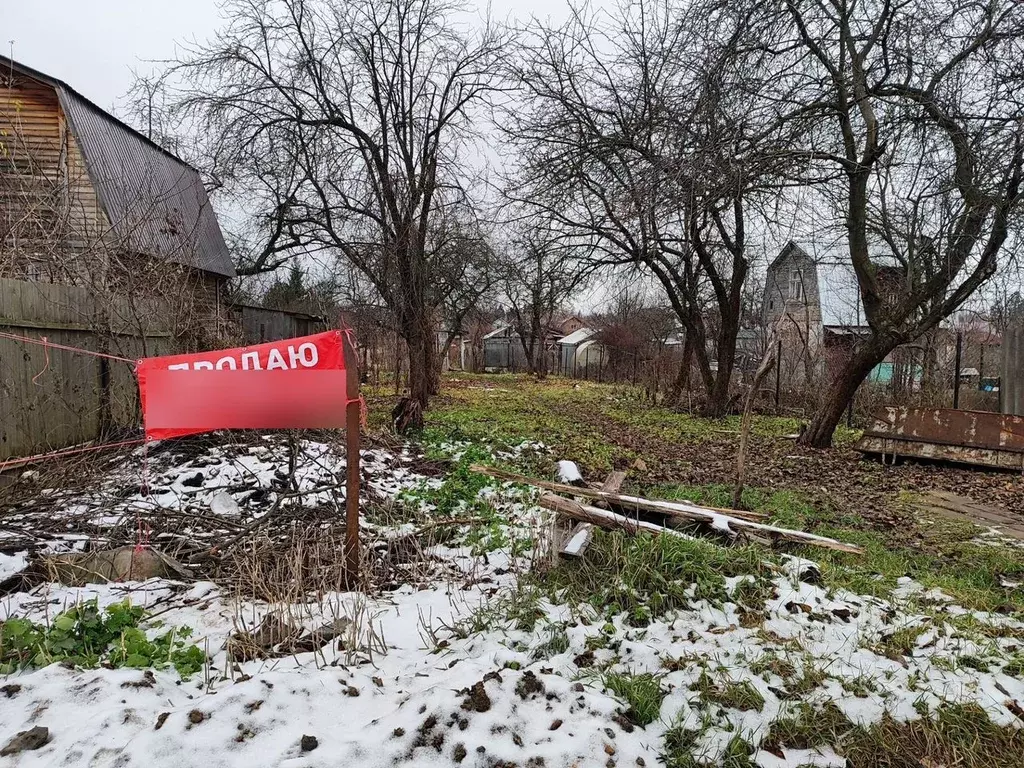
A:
<point x="818" y="433"/>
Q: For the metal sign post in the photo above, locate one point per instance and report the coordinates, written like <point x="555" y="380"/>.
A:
<point x="352" y="425"/>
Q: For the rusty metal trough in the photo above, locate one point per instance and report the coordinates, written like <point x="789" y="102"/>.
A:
<point x="979" y="438"/>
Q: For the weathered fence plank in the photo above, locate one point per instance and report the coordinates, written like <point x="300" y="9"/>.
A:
<point x="64" y="404"/>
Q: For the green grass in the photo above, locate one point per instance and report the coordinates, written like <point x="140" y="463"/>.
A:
<point x="579" y="419"/>
<point x="556" y="642"/>
<point x="643" y="693"/>
<point x="729" y="694"/>
<point x="647" y="576"/>
<point x="807" y="727"/>
<point x="952" y="562"/>
<point x="963" y="736"/>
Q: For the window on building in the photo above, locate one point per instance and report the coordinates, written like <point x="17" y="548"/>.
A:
<point x="796" y="286"/>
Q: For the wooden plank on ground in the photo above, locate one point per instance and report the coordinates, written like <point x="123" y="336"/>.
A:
<point x="669" y="508"/>
<point x="578" y="538"/>
<point x="953" y="507"/>
<point x="729" y="524"/>
<point x="603" y="517"/>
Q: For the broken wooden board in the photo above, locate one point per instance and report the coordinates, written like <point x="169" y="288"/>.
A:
<point x="603" y="517"/>
<point x="579" y="537"/>
<point x="953" y="507"/>
<point x="724" y="523"/>
<point x="630" y="502"/>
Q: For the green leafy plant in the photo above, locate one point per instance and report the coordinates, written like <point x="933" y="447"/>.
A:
<point x="86" y="636"/>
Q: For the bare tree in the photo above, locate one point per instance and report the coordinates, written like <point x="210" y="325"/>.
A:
<point x="919" y="120"/>
<point x="538" y="276"/>
<point x="647" y="137"/>
<point x="341" y="125"/>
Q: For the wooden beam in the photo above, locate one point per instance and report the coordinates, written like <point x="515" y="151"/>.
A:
<point x="603" y="517"/>
<point x="730" y="524"/>
<point x="669" y="508"/>
<point x="578" y="539"/>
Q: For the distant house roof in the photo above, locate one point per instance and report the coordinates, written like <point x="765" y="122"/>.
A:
<point x="154" y="200"/>
<point x="497" y="331"/>
<point x="577" y="336"/>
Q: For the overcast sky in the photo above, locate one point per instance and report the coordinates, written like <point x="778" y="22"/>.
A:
<point x="94" y="45"/>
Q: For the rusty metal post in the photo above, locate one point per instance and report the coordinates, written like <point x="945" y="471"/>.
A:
<point x="956" y="372"/>
<point x="352" y="419"/>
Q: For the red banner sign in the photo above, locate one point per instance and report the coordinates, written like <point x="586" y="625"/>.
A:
<point x="291" y="384"/>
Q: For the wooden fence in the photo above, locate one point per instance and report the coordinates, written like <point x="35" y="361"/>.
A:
<point x="52" y="398"/>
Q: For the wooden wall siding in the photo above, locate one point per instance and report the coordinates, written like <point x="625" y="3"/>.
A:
<point x="47" y="201"/>
<point x="260" y="324"/>
<point x="64" y="406"/>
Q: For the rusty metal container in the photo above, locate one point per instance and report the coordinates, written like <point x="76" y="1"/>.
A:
<point x="978" y="438"/>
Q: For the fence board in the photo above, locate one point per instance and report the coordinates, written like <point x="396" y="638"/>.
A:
<point x="62" y="407"/>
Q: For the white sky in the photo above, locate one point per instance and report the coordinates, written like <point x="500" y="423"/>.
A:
<point x="94" y="45"/>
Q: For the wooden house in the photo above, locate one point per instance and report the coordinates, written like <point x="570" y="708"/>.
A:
<point x="85" y="199"/>
<point x="108" y="243"/>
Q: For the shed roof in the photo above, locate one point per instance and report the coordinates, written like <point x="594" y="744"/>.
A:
<point x="497" y="331"/>
<point x="153" y="199"/>
<point x="577" y="336"/>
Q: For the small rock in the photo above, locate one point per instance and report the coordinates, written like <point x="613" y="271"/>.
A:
<point x="196" y="717"/>
<point x="641" y="762"/>
<point x="609" y="749"/>
<point x="555" y="725"/>
<point x="459" y="754"/>
<point x="352" y="691"/>
<point x="160" y="720"/>
<point x="578" y="687"/>
<point x="609" y="733"/>
<point x="378" y="682"/>
<point x="27" y="740"/>
<point x="610" y="763"/>
<point x="398" y="733"/>
<point x="309" y="743"/>
<point x="10" y="691"/>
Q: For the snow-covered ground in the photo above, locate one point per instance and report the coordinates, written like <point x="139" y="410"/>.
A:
<point x="445" y="673"/>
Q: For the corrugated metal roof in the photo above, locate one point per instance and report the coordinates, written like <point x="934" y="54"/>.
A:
<point x="154" y="201"/>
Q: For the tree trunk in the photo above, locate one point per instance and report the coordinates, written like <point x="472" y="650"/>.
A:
<point x="767" y="363"/>
<point x="718" y="397"/>
<point x="823" y="424"/>
<point x="682" y="381"/>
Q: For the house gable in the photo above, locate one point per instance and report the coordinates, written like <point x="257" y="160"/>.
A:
<point x="142" y="198"/>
